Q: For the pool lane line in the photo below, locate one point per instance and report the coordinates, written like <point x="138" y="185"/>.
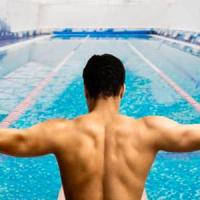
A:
<point x="31" y="97"/>
<point x="23" y="43"/>
<point x="186" y="73"/>
<point x="169" y="81"/>
<point x="180" y="68"/>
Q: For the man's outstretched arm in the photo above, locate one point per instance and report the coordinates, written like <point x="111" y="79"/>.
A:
<point x="38" y="140"/>
<point x="169" y="135"/>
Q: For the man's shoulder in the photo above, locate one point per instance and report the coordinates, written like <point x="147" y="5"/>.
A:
<point x="57" y="121"/>
<point x="152" y="122"/>
<point x="58" y="124"/>
<point x="66" y="122"/>
<point x="147" y="122"/>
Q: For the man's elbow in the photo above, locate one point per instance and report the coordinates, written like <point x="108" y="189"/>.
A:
<point x="14" y="144"/>
<point x="21" y="145"/>
<point x="189" y="142"/>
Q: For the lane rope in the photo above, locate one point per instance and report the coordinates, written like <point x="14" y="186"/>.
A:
<point x="31" y="97"/>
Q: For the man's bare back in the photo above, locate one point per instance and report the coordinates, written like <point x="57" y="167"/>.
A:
<point x="104" y="159"/>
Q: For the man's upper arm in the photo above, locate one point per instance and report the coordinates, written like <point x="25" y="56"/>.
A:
<point x="40" y="139"/>
<point x="172" y="136"/>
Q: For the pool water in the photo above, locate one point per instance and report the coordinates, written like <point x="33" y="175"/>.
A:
<point x="173" y="176"/>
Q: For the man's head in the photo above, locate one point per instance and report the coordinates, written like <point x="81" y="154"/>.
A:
<point x="104" y="76"/>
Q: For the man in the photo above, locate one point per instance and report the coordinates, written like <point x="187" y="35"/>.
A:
<point x="102" y="155"/>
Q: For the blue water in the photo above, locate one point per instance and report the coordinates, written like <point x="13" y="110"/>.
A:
<point x="173" y="176"/>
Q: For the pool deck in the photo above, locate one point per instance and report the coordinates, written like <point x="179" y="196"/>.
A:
<point x="20" y="43"/>
<point x="194" y="46"/>
<point x="5" y="42"/>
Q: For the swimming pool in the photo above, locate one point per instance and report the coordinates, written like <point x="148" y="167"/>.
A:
<point x="26" y="76"/>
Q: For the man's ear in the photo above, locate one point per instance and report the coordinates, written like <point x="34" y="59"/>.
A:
<point x="86" y="92"/>
<point x="123" y="89"/>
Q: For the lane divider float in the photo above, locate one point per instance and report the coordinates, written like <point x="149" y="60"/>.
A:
<point x="31" y="97"/>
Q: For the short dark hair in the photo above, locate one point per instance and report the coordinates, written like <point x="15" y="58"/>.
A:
<point x="103" y="76"/>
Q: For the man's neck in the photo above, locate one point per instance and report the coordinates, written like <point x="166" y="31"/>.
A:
<point x="105" y="106"/>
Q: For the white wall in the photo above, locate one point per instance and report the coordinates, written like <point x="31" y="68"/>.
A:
<point x="28" y="15"/>
<point x="3" y="9"/>
<point x="176" y="14"/>
<point x="183" y="15"/>
<point x="102" y="15"/>
<point x="20" y="14"/>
